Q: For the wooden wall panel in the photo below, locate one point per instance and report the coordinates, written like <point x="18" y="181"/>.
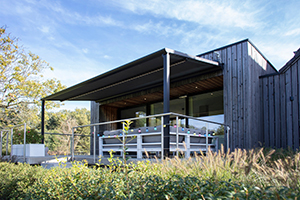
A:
<point x="240" y="94"/>
<point x="283" y="111"/>
<point x="108" y="113"/>
<point x="265" y="111"/>
<point x="294" y="102"/>
<point x="281" y="128"/>
<point x="243" y="64"/>
<point x="277" y="112"/>
<point x="298" y="99"/>
<point x="271" y="113"/>
<point x="288" y="89"/>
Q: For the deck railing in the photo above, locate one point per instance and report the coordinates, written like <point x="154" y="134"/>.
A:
<point x="139" y="142"/>
<point x="4" y="132"/>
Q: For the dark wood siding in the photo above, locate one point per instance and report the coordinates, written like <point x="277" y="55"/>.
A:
<point x="280" y="114"/>
<point x="243" y="64"/>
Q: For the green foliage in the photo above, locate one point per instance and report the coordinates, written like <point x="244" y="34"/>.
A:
<point x="239" y="174"/>
<point x="32" y="136"/>
<point x="125" y="139"/>
<point x="62" y="122"/>
<point x="22" y="84"/>
<point x="220" y="130"/>
<point x="16" y="180"/>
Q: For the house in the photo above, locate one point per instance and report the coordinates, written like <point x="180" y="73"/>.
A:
<point x="235" y="84"/>
<point x="280" y="106"/>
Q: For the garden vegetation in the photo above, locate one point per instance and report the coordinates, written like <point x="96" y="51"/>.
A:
<point x="241" y="174"/>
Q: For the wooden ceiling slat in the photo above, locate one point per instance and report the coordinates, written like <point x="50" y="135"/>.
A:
<point x="191" y="88"/>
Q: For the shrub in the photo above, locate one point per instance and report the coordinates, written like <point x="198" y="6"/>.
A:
<point x="32" y="137"/>
<point x="16" y="179"/>
<point x="241" y="174"/>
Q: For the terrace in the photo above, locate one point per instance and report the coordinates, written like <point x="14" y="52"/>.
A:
<point x="164" y="89"/>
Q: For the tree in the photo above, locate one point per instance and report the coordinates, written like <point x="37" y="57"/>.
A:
<point x="220" y="130"/>
<point x="62" y="122"/>
<point x="21" y="83"/>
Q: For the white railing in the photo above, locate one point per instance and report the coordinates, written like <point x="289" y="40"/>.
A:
<point x="190" y="143"/>
<point x="138" y="147"/>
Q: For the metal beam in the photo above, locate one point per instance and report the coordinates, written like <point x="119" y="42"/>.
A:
<point x="166" y="83"/>
<point x="43" y="122"/>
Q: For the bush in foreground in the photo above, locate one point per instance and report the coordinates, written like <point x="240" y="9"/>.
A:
<point x="236" y="175"/>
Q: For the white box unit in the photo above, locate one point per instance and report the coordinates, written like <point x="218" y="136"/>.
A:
<point x="32" y="150"/>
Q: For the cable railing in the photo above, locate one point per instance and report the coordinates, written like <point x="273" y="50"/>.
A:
<point x="176" y="142"/>
<point x="11" y="129"/>
<point x="139" y="144"/>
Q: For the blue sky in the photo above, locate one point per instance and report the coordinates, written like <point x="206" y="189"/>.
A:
<point x="81" y="39"/>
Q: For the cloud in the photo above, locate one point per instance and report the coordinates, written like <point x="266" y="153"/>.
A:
<point x="294" y="32"/>
<point x="214" y="13"/>
<point x="85" y="50"/>
<point x="44" y="29"/>
<point x="107" y="57"/>
<point x="72" y="17"/>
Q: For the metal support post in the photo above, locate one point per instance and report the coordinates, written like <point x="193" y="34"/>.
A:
<point x="1" y="143"/>
<point x="206" y="143"/>
<point x="7" y="143"/>
<point x="72" y="145"/>
<point x="123" y="142"/>
<point x="94" y="144"/>
<point x="162" y="138"/>
<point x="166" y="84"/>
<point x="11" y="142"/>
<point x="228" y="129"/>
<point x="24" y="153"/>
<point x="43" y="121"/>
<point x="177" y="151"/>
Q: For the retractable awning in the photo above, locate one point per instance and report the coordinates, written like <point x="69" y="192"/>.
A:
<point x="143" y="73"/>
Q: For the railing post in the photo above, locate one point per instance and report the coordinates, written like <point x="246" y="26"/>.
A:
<point x="206" y="142"/>
<point x="94" y="144"/>
<point x="177" y="152"/>
<point x="7" y="143"/>
<point x="228" y="130"/>
<point x="162" y="138"/>
<point x="123" y="142"/>
<point x="72" y="145"/>
<point x="139" y="147"/>
<point x="24" y="153"/>
<point x="11" y="142"/>
<point x="1" y="143"/>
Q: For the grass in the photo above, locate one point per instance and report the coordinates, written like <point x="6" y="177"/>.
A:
<point x="241" y="174"/>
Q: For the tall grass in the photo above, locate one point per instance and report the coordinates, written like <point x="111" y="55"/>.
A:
<point x="254" y="167"/>
<point x="240" y="174"/>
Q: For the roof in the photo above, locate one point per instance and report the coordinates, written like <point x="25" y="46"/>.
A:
<point x="242" y="41"/>
<point x="290" y="62"/>
<point x="143" y="73"/>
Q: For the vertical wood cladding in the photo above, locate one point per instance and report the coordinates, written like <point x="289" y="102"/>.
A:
<point x="281" y="108"/>
<point x="243" y="64"/>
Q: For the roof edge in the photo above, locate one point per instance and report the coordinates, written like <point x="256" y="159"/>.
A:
<point x="128" y="65"/>
<point x="112" y="71"/>
<point x="239" y="42"/>
<point x="289" y="63"/>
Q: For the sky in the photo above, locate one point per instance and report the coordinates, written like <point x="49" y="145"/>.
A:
<point x="82" y="39"/>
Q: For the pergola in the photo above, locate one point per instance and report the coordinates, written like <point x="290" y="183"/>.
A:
<point x="157" y="70"/>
